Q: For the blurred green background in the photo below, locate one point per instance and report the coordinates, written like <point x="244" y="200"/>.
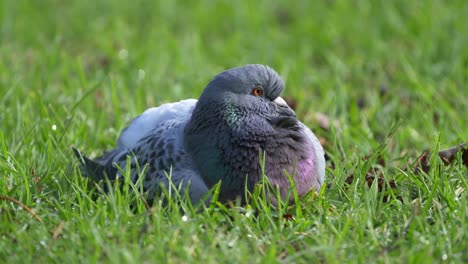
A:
<point x="332" y="54"/>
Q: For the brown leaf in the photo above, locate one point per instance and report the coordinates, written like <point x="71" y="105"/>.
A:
<point x="372" y="176"/>
<point x="283" y="17"/>
<point x="291" y="102"/>
<point x="361" y="103"/>
<point x="288" y="217"/>
<point x="349" y="179"/>
<point x="323" y="141"/>
<point x="324" y="121"/>
<point x="447" y="156"/>
<point x="99" y="99"/>
<point x="27" y="209"/>
<point x="58" y="231"/>
<point x="104" y="61"/>
<point x="36" y="179"/>
<point x="375" y="174"/>
<point x="383" y="90"/>
<point x="422" y="163"/>
<point x="436" y="118"/>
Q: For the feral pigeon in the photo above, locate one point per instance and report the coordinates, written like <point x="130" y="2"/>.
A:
<point x="219" y="138"/>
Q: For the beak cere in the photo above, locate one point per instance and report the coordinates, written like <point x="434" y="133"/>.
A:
<point x="280" y="101"/>
<point x="283" y="108"/>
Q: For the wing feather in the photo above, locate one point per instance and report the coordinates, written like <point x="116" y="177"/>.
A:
<point x="152" y="118"/>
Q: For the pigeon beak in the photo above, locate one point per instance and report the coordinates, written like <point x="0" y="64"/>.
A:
<point x="280" y="101"/>
<point x="283" y="107"/>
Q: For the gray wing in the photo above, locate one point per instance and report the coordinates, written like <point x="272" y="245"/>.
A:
<point x="153" y="118"/>
<point x="163" y="152"/>
<point x="154" y="140"/>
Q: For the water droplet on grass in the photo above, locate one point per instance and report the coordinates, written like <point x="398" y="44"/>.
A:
<point x="231" y="243"/>
<point x="123" y="54"/>
<point x="141" y="74"/>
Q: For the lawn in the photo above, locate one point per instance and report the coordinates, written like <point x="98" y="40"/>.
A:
<point x="393" y="75"/>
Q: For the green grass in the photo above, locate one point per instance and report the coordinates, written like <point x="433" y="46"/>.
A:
<point x="74" y="73"/>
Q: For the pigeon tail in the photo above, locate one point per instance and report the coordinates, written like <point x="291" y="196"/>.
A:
<point x="93" y="169"/>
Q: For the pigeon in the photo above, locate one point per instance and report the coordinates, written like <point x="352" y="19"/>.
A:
<point x="237" y="132"/>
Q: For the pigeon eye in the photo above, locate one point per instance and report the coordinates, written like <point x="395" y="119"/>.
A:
<point x="257" y="91"/>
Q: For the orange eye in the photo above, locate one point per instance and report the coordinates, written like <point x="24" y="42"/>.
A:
<point x="257" y="91"/>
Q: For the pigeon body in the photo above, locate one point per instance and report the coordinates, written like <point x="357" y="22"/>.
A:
<point x="239" y="117"/>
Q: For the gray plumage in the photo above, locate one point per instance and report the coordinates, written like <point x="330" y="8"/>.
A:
<point x="218" y="138"/>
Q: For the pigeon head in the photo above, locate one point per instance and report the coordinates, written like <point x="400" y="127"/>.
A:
<point x="239" y="115"/>
<point x="253" y="79"/>
<point x="245" y="91"/>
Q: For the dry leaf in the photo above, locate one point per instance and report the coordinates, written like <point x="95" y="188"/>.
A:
<point x="447" y="156"/>
<point x="288" y="217"/>
<point x="27" y="209"/>
<point x="58" y="231"/>
<point x="291" y="102"/>
<point x="324" y="121"/>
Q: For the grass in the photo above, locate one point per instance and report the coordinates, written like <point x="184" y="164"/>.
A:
<point x="74" y="73"/>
